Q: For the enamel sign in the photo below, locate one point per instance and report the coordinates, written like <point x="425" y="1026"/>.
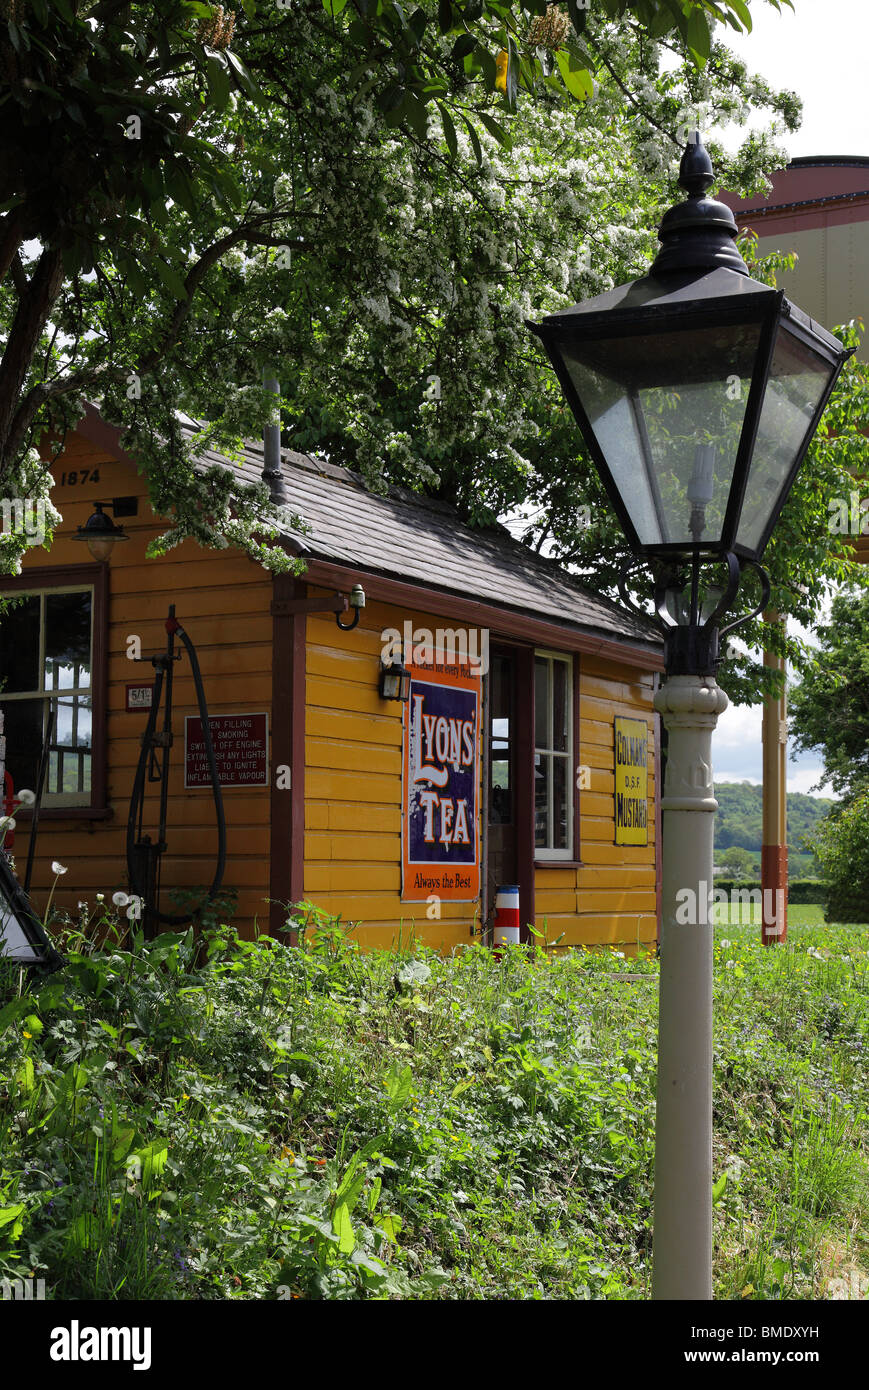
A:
<point x="441" y="784"/>
<point x="632" y="781"/>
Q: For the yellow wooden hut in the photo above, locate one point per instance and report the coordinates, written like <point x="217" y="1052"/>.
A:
<point x="525" y="752"/>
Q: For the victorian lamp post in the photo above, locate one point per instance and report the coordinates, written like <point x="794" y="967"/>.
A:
<point x="697" y="391"/>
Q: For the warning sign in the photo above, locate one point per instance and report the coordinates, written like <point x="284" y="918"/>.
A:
<point x="241" y="750"/>
<point x="632" y="781"/>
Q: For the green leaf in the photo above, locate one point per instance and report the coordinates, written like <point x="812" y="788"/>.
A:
<point x="347" y="1178"/>
<point x="243" y="77"/>
<point x="399" y="1081"/>
<point x="462" y="1086"/>
<point x="170" y="277"/>
<point x="743" y="13"/>
<point x="17" y="1009"/>
<point x="219" y="85"/>
<point x="576" y="78"/>
<point x="445" y="16"/>
<point x="11" y="1216"/>
<point x="494" y="128"/>
<point x="418" y="22"/>
<point x="153" y="1160"/>
<point x="374" y="1194"/>
<point x="334" y="7"/>
<point x="343" y="1228"/>
<point x="719" y="1187"/>
<point x="390" y="1225"/>
<point x="121" y="1141"/>
<point x="25" y="1077"/>
<point x="449" y="131"/>
<point x="475" y="142"/>
<point x="698" y="37"/>
<point x="414" y="113"/>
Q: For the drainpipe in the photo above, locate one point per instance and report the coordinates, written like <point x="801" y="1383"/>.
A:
<point x="272" y="474"/>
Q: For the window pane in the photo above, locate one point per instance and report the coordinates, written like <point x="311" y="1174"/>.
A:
<point x="23" y="730"/>
<point x="541" y="801"/>
<point x="67" y="641"/>
<point x="19" y="647"/>
<point x="541" y="702"/>
<point x="560" y="706"/>
<point x="560" y="808"/>
<point x="501" y="797"/>
<point x="70" y="763"/>
<point x="500" y="689"/>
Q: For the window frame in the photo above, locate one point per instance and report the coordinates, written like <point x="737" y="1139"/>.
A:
<point x="67" y="579"/>
<point x="569" y="854"/>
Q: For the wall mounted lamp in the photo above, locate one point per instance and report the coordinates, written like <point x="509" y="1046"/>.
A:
<point x="394" y="681"/>
<point x="99" y="531"/>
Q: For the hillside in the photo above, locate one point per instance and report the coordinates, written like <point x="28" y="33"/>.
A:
<point x="739" y="818"/>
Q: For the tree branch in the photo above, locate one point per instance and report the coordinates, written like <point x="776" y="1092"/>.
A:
<point x="27" y="327"/>
<point x="89" y="377"/>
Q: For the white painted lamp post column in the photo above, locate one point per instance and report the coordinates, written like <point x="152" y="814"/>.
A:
<point x="689" y="707"/>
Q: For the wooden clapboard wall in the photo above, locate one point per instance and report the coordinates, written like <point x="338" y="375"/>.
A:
<point x="353" y="802"/>
<point x="353" y="749"/>
<point x="611" y="898"/>
<point x="222" y="599"/>
<point x="353" y="743"/>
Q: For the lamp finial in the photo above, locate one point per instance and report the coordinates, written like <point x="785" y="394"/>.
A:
<point x="695" y="170"/>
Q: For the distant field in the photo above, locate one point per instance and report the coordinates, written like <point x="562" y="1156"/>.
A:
<point x="799" y="915"/>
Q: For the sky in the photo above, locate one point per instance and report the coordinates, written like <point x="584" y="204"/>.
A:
<point x="819" y="49"/>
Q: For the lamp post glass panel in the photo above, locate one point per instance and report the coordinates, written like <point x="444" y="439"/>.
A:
<point x="697" y="391"/>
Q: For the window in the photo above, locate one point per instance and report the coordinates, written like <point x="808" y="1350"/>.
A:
<point x="500" y="741"/>
<point x="47" y="673"/>
<point x="553" y="756"/>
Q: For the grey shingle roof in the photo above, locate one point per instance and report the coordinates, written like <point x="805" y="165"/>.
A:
<point x="406" y="536"/>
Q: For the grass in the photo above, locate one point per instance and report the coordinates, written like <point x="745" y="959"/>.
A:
<point x="261" y="1122"/>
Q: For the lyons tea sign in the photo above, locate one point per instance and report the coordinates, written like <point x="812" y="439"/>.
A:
<point x="441" y="784"/>
<point x="632" y="781"/>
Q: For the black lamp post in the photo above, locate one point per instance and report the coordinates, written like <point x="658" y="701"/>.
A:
<point x="697" y="391"/>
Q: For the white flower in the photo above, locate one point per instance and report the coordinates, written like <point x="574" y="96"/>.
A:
<point x="7" y="823"/>
<point x="101" y="897"/>
<point x="26" y="797"/>
<point x="120" y="899"/>
<point x="57" y="867"/>
<point x="82" y="907"/>
<point x="619" y="955"/>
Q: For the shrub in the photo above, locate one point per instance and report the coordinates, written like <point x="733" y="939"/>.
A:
<point x="842" y="848"/>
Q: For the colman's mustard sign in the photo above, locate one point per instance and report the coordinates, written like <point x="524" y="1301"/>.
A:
<point x="632" y="781"/>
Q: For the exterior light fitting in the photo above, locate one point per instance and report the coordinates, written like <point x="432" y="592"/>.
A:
<point x="697" y="391"/>
<point x="100" y="532"/>
<point x="394" y="681"/>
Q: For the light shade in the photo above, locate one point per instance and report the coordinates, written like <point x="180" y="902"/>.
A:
<point x="697" y="389"/>
<point x="100" y="533"/>
<point x="394" y="681"/>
